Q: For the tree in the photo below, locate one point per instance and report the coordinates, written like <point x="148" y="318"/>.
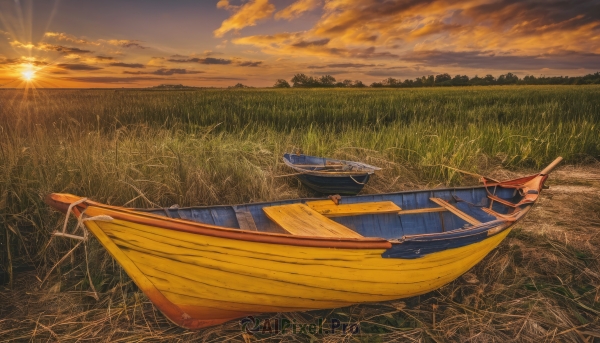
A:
<point x="358" y="84"/>
<point x="281" y="83"/>
<point x="300" y="80"/>
<point x="390" y="82"/>
<point x="239" y="85"/>
<point x="429" y="81"/>
<point x="511" y="78"/>
<point x="476" y="80"/>
<point x="327" y="81"/>
<point x="442" y="78"/>
<point x="459" y="80"/>
<point x="489" y="79"/>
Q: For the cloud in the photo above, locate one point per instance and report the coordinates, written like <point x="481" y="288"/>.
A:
<point x="207" y="60"/>
<point x="305" y="44"/>
<point x="23" y="60"/>
<point x="224" y="4"/>
<point x="556" y="34"/>
<point x="135" y="79"/>
<point x="10" y="61"/>
<point x="400" y="72"/>
<point x="50" y="47"/>
<point x="60" y="36"/>
<point x="175" y="71"/>
<point x="297" y="8"/>
<point x="296" y="44"/>
<point x="126" y="43"/>
<point x="534" y="16"/>
<point x="77" y="66"/>
<point x="17" y="44"/>
<point x="492" y="60"/>
<point x="342" y="65"/>
<point x="123" y="43"/>
<point x="63" y="49"/>
<point x="250" y="64"/>
<point x="104" y="58"/>
<point x="497" y="24"/>
<point x="110" y="79"/>
<point x="212" y="60"/>
<point x="245" y="15"/>
<point x="127" y="65"/>
<point x="164" y="72"/>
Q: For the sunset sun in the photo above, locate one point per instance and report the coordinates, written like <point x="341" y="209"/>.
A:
<point x="28" y="73"/>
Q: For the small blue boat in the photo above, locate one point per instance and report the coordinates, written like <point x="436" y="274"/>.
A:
<point x="329" y="176"/>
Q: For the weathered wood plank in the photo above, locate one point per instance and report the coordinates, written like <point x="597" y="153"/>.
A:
<point x="329" y="209"/>
<point x="498" y="215"/>
<point x="423" y="210"/>
<point x="456" y="211"/>
<point x="301" y="220"/>
<point x="502" y="201"/>
<point x="245" y="220"/>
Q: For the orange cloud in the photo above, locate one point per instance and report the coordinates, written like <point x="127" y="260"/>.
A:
<point x="526" y="28"/>
<point x="60" y="36"/>
<point x="126" y="43"/>
<point x="301" y="44"/>
<point x="246" y="15"/>
<point x="17" y="44"/>
<point x="297" y="9"/>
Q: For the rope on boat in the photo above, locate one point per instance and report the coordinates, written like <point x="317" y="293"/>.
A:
<point x="360" y="183"/>
<point x="83" y="239"/>
<point x="73" y="204"/>
<point x="82" y="218"/>
<point x="481" y="177"/>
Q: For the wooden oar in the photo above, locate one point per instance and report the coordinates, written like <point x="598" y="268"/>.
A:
<point x="551" y="166"/>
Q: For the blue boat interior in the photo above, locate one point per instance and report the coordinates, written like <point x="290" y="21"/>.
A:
<point x="315" y="163"/>
<point x="386" y="225"/>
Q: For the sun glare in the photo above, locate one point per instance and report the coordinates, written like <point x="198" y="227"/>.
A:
<point x="28" y="74"/>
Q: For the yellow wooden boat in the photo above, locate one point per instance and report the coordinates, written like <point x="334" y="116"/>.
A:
<point x="206" y="265"/>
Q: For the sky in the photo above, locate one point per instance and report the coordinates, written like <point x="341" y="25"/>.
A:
<point x="219" y="43"/>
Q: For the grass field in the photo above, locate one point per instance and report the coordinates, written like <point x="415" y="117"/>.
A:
<point x="144" y="148"/>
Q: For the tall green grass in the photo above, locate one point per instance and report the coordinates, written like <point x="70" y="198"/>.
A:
<point x="156" y="148"/>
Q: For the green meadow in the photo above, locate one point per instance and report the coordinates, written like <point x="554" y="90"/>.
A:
<point x="149" y="148"/>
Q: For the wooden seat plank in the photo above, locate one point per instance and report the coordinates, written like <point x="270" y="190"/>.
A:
<point x="502" y="201"/>
<point x="498" y="215"/>
<point x="423" y="210"/>
<point x="456" y="211"/>
<point x="301" y="220"/>
<point x="329" y="209"/>
<point x="245" y="220"/>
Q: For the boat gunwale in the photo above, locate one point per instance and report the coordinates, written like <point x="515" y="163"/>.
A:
<point x="142" y="217"/>
<point x="371" y="169"/>
<point x="183" y="225"/>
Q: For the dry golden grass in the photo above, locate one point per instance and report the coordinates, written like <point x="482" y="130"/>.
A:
<point x="541" y="285"/>
<point x="149" y="149"/>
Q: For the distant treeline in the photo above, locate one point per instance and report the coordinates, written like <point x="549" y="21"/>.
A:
<point x="441" y="80"/>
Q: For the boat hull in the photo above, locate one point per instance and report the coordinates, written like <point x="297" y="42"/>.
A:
<point x="199" y="281"/>
<point x="342" y="185"/>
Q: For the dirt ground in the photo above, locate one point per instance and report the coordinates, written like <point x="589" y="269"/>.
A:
<point x="541" y="285"/>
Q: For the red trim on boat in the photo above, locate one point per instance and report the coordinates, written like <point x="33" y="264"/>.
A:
<point x="61" y="202"/>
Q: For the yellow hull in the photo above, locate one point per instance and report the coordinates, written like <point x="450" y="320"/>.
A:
<point x="198" y="280"/>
